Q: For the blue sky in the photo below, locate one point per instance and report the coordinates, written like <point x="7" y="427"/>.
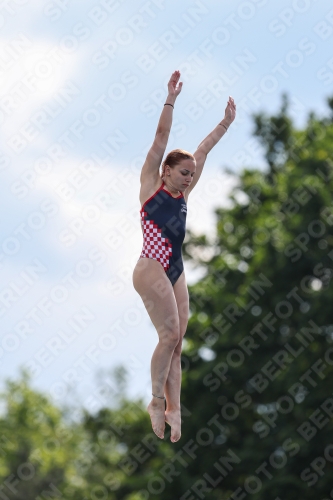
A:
<point x="82" y="85"/>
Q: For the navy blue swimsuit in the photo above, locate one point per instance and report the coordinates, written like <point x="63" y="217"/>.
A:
<point x="163" y="220"/>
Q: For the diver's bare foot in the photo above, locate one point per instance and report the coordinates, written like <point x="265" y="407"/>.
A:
<point x="157" y="417"/>
<point x="174" y="420"/>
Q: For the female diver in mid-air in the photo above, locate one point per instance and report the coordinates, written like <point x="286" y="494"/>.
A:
<point x="158" y="276"/>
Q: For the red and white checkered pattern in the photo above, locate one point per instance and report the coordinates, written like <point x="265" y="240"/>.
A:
<point x="154" y="245"/>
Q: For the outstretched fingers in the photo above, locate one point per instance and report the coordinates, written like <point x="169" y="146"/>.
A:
<point x="231" y="103"/>
<point x="172" y="85"/>
<point x="175" y="76"/>
<point x="230" y="110"/>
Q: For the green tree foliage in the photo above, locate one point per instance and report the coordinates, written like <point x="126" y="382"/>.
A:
<point x="263" y="311"/>
<point x="36" y="449"/>
<point x="44" y="454"/>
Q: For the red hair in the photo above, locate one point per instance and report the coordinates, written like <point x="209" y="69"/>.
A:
<point x="174" y="158"/>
